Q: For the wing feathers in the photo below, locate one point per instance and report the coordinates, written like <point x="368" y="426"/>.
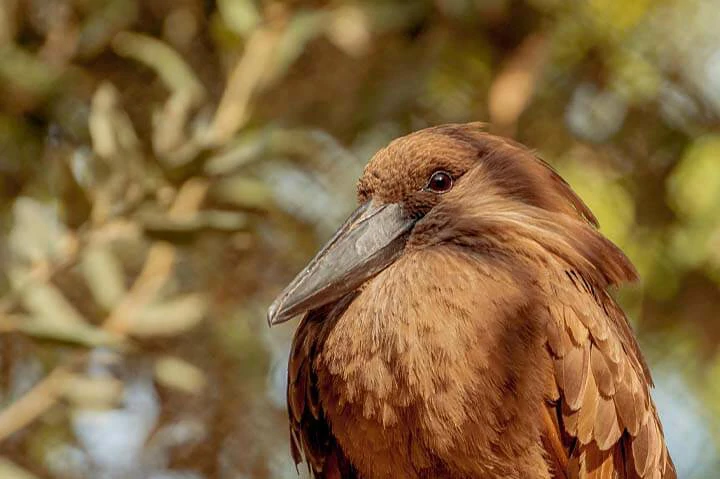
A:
<point x="296" y="397"/>
<point x="553" y="442"/>
<point x="572" y="374"/>
<point x="558" y="341"/>
<point x="591" y="463"/>
<point x="601" y="373"/>
<point x="587" y="412"/>
<point x="311" y="439"/>
<point x="641" y="450"/>
<point x="578" y="331"/>
<point x="604" y="398"/>
<point x="627" y="408"/>
<point x="607" y="428"/>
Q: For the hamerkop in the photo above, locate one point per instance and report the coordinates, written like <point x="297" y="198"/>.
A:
<point x="459" y="325"/>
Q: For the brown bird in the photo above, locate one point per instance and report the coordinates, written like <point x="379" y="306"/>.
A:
<point x="459" y="325"/>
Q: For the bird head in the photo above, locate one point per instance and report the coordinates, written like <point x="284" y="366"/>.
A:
<point x="458" y="185"/>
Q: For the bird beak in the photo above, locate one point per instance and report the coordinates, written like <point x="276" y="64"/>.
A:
<point x="368" y="242"/>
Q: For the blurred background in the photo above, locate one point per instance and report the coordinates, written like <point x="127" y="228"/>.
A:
<point x="168" y="165"/>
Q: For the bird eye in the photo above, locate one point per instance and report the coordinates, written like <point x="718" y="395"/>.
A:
<point x="440" y="182"/>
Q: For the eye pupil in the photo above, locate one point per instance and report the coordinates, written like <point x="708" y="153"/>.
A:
<point x="440" y="181"/>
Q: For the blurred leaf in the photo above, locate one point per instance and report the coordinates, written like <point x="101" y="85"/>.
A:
<point x="168" y="64"/>
<point x="20" y="150"/>
<point x="162" y="227"/>
<point x="304" y="27"/>
<point x="9" y="470"/>
<point x="111" y="130"/>
<point x="53" y="316"/>
<point x="170" y="140"/>
<point x="26" y="71"/>
<point x="689" y="245"/>
<point x="694" y="185"/>
<point x="92" y="392"/>
<point x="105" y="20"/>
<point x="176" y="373"/>
<point x="82" y="334"/>
<point x="170" y="317"/>
<point x="325" y="155"/>
<point x="46" y="303"/>
<point x="618" y="16"/>
<point x="104" y="275"/>
<point x="241" y="16"/>
<point x="37" y="234"/>
<point x="248" y="76"/>
<point x="242" y="192"/>
<point x="394" y="16"/>
<point x="349" y="29"/>
<point x="634" y="76"/>
<point x="243" y="149"/>
<point x="513" y="87"/>
<point x="694" y="242"/>
<point x="217" y="220"/>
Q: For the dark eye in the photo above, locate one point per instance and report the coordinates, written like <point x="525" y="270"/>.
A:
<point x="440" y="182"/>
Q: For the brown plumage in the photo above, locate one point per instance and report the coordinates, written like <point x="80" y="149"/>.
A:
<point x="464" y="329"/>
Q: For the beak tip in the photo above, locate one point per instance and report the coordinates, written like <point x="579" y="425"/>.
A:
<point x="272" y="314"/>
<point x="277" y="313"/>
